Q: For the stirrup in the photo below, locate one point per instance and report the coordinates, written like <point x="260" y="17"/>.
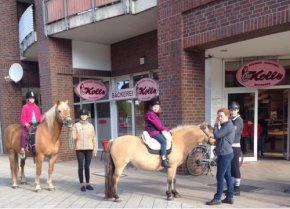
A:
<point x="22" y="154"/>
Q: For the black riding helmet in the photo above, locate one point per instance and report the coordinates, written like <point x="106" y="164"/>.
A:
<point x="154" y="101"/>
<point x="84" y="112"/>
<point x="30" y="94"/>
<point x="234" y="106"/>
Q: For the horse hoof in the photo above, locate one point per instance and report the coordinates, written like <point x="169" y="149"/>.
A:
<point x="51" y="188"/>
<point x="169" y="197"/>
<point x="23" y="182"/>
<point x="15" y="186"/>
<point x="177" y="195"/>
<point x="37" y="189"/>
<point x="117" y="200"/>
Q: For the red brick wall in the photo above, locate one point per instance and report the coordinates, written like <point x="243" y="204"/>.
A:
<point x="10" y="102"/>
<point x="55" y="72"/>
<point x="229" y="21"/>
<point x="125" y="54"/>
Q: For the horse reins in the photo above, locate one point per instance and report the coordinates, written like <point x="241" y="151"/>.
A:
<point x="208" y="136"/>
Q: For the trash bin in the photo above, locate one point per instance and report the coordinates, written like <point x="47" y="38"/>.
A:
<point x="105" y="143"/>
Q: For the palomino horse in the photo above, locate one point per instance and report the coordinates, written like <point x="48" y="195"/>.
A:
<point x="47" y="143"/>
<point x="130" y="148"/>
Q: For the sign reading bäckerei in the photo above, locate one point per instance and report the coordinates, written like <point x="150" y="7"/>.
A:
<point x="144" y="90"/>
<point x="91" y="89"/>
<point x="260" y="73"/>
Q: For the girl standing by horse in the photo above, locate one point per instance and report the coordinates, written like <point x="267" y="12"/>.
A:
<point x="155" y="128"/>
<point x="84" y="136"/>
<point x="30" y="115"/>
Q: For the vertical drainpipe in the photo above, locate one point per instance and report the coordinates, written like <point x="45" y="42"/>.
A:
<point x="65" y="14"/>
<point x="1" y="141"/>
<point x="93" y="7"/>
<point x="44" y="12"/>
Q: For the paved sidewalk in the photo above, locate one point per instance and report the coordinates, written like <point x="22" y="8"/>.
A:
<point x="263" y="187"/>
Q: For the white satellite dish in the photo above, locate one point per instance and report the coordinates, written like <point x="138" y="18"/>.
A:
<point x="16" y="72"/>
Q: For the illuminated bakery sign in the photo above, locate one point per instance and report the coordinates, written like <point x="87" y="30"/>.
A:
<point x="260" y="74"/>
<point x="91" y="89"/>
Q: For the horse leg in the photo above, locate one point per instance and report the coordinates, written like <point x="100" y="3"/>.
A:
<point x="174" y="192"/>
<point x="116" y="178"/>
<point x="39" y="160"/>
<point x="22" y="177"/>
<point x="13" y="158"/>
<point x="170" y="176"/>
<point x="50" y="171"/>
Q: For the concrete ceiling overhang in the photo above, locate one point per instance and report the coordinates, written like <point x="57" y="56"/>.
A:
<point x="115" y="29"/>
<point x="277" y="44"/>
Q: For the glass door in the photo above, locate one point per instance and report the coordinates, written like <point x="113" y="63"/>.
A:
<point x="248" y="111"/>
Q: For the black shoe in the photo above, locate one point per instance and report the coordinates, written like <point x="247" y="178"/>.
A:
<point x="164" y="164"/>
<point x="83" y="188"/>
<point x="213" y="202"/>
<point x="89" y="187"/>
<point x="237" y="191"/>
<point x="228" y="200"/>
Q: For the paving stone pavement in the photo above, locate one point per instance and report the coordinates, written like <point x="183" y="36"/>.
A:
<point x="263" y="185"/>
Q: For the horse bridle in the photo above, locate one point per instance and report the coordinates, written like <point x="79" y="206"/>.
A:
<point x="64" y="120"/>
<point x="202" y="127"/>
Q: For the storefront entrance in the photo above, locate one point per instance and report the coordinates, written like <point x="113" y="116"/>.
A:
<point x="266" y="122"/>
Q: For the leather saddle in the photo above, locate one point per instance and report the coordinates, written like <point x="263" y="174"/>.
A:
<point x="153" y="145"/>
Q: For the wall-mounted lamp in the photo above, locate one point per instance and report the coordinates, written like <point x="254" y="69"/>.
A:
<point x="142" y="60"/>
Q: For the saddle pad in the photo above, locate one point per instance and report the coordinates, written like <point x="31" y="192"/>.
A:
<point x="153" y="144"/>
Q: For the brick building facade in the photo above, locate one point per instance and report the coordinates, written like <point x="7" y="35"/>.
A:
<point x="175" y="50"/>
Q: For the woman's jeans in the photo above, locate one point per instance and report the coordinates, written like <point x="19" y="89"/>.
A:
<point x="224" y="172"/>
<point x="84" y="155"/>
<point x="161" y="139"/>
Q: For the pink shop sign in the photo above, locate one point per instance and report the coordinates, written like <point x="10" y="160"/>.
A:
<point x="91" y="89"/>
<point x="260" y="74"/>
<point x="146" y="89"/>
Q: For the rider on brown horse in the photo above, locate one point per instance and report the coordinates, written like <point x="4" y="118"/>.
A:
<point x="155" y="128"/>
<point x="30" y="115"/>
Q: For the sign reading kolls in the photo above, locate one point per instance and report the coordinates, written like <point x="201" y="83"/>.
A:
<point x="260" y="73"/>
<point x="146" y="89"/>
<point x="91" y="89"/>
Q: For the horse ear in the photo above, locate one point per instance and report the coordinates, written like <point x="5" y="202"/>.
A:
<point x="66" y="101"/>
<point x="57" y="102"/>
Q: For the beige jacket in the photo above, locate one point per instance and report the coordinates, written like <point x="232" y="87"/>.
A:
<point x="84" y="136"/>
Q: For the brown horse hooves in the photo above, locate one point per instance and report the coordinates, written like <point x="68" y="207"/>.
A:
<point x="51" y="189"/>
<point x="176" y="194"/>
<point x="15" y="186"/>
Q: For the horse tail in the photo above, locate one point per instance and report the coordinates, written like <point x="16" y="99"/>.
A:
<point x="109" y="172"/>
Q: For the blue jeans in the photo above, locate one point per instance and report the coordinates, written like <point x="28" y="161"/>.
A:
<point x="161" y="139"/>
<point x="224" y="171"/>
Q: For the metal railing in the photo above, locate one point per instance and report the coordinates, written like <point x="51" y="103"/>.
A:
<point x="55" y="10"/>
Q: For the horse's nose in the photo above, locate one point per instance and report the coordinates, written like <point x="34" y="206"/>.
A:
<point x="68" y="122"/>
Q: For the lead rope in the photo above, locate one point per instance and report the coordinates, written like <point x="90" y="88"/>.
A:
<point x="71" y="143"/>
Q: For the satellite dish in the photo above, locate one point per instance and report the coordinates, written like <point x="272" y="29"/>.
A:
<point x="16" y="72"/>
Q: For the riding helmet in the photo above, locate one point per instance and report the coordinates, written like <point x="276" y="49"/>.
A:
<point x="30" y="94"/>
<point x="234" y="106"/>
<point x="84" y="112"/>
<point x="154" y="101"/>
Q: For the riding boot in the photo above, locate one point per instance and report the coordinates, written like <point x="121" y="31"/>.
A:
<point x="237" y="190"/>
<point x="165" y="164"/>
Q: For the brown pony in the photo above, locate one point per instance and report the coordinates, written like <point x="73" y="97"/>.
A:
<point x="47" y="143"/>
<point x="130" y="148"/>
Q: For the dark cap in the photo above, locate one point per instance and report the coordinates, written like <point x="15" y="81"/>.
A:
<point x="83" y="112"/>
<point x="154" y="101"/>
<point x="30" y="94"/>
<point x="234" y="106"/>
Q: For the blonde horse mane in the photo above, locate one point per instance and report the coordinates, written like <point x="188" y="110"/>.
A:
<point x="179" y="127"/>
<point x="50" y="117"/>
